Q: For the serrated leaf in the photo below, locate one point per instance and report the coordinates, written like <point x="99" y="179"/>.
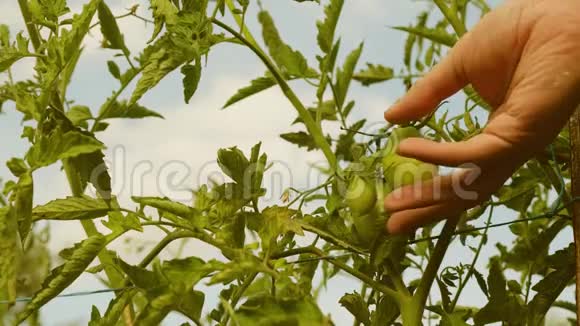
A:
<point x="110" y="29"/>
<point x="374" y="74"/>
<point x="71" y="208"/>
<point x="163" y="12"/>
<point x="80" y="28"/>
<point x="327" y="27"/>
<point x="63" y="276"/>
<point x="436" y="35"/>
<point x="58" y="145"/>
<point x="159" y="64"/>
<point x="287" y="59"/>
<point x="256" y="86"/>
<point x="191" y="77"/>
<point x="357" y="306"/>
<point x="301" y="138"/>
<point x="481" y="282"/>
<point x="551" y="286"/>
<point x="344" y="75"/>
<point x="120" y="109"/>
<point x="79" y="114"/>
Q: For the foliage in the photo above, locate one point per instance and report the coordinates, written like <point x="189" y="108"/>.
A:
<point x="270" y="280"/>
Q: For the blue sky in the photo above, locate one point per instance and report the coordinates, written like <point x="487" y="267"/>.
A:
<point x="183" y="146"/>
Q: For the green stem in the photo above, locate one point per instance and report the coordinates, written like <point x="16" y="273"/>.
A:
<point x="422" y="292"/>
<point x="451" y="17"/>
<point x="314" y="130"/>
<point x="237" y="296"/>
<point x="30" y="27"/>
<point x="472" y="266"/>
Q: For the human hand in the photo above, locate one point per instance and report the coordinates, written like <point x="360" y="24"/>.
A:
<point x="524" y="60"/>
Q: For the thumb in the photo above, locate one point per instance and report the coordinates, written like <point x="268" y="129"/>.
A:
<point x="444" y="80"/>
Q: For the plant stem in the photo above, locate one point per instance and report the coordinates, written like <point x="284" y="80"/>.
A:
<point x="30" y="27"/>
<point x="451" y="17"/>
<point x="314" y="129"/>
<point x="472" y="265"/>
<point x="574" y="126"/>
<point x="422" y="292"/>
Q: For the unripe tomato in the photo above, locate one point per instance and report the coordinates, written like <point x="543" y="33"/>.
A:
<point x="370" y="225"/>
<point x="398" y="135"/>
<point x="360" y="196"/>
<point x="402" y="171"/>
<point x="410" y="172"/>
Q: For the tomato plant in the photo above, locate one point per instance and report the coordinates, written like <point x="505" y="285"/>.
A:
<point x="266" y="276"/>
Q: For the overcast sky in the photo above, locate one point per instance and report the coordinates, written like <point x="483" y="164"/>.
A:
<point x="149" y="156"/>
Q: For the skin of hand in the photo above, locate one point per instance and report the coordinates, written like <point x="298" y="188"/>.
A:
<point x="523" y="58"/>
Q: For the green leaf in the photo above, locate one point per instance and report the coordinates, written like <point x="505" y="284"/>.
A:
<point x="17" y="166"/>
<point x="79" y="114"/>
<point x="374" y="74"/>
<point x="80" y="27"/>
<point x="265" y="310"/>
<point x="191" y="77"/>
<point x="71" y="208"/>
<point x="163" y="12"/>
<point x="481" y="282"/>
<point x="550" y="288"/>
<point x="327" y="27"/>
<point x="164" y="59"/>
<point x="63" y="276"/>
<point x="9" y="56"/>
<point x="119" y="223"/>
<point x="110" y="29"/>
<point x="357" y="306"/>
<point x="288" y="60"/>
<point x="60" y="145"/>
<point x="301" y="138"/>
<point x="9" y="249"/>
<point x="234" y="164"/>
<point x="167" y="205"/>
<point x="23" y="204"/>
<point x="114" y="69"/>
<point x="256" y="86"/>
<point x="115" y="309"/>
<point x="344" y="75"/>
<point x="91" y="168"/>
<point x="277" y="221"/>
<point x="387" y="311"/>
<point x="438" y="35"/>
<point x="120" y="109"/>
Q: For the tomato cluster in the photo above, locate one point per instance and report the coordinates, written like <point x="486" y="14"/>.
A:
<point x="366" y="192"/>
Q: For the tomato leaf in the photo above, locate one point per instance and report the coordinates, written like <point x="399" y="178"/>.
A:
<point x="327" y="27"/>
<point x="63" y="276"/>
<point x="71" y="208"/>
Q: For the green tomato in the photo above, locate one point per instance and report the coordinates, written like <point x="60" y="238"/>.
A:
<point x="398" y="135"/>
<point x="369" y="226"/>
<point x="360" y="196"/>
<point x="402" y="171"/>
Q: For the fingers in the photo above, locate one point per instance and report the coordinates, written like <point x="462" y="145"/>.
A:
<point x="477" y="150"/>
<point x="444" y="80"/>
<point x="409" y="220"/>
